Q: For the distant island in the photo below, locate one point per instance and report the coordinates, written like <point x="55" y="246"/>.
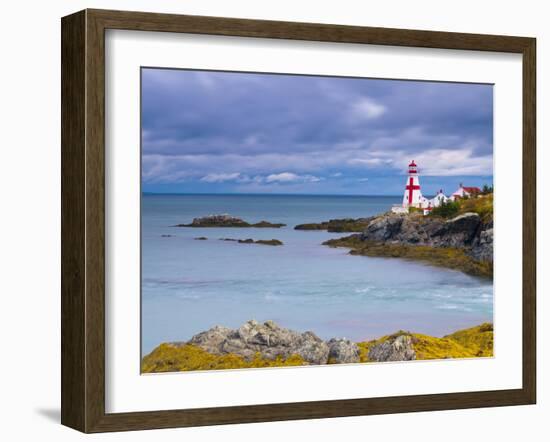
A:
<point x="255" y="345"/>
<point x="265" y="242"/>
<point x="227" y="221"/>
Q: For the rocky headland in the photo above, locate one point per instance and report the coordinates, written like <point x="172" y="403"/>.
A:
<point x="457" y="235"/>
<point x="227" y="221"/>
<point x="268" y="345"/>
<point x="464" y="242"/>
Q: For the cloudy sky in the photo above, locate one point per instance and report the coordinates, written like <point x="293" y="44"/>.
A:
<point x="221" y="132"/>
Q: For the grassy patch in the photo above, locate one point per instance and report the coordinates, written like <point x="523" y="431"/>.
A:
<point x="482" y="205"/>
<point x="169" y="357"/>
<point x="448" y="209"/>
<point x="439" y="256"/>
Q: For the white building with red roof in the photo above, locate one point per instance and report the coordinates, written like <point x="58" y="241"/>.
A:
<point x="465" y="192"/>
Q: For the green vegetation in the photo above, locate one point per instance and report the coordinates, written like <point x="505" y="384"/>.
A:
<point x="169" y="357"/>
<point x="447" y="209"/>
<point x="337" y="225"/>
<point x="482" y="205"/>
<point x="439" y="256"/>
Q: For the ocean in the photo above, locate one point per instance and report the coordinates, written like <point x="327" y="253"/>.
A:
<point x="189" y="286"/>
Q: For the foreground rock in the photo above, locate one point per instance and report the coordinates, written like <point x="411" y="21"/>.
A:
<point x="255" y="345"/>
<point x="227" y="221"/>
<point x="396" y="348"/>
<point x="337" y="225"/>
<point x="343" y="351"/>
<point x="265" y="242"/>
<point x="268" y="339"/>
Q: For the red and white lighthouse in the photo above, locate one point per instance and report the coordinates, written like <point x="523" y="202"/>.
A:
<point x="413" y="196"/>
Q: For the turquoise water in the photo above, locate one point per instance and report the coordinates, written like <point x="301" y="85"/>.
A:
<point x="189" y="286"/>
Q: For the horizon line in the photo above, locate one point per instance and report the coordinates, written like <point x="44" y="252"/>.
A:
<point x="266" y="194"/>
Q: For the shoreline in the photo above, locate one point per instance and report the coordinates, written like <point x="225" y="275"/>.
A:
<point x="445" y="257"/>
<point x="255" y="345"/>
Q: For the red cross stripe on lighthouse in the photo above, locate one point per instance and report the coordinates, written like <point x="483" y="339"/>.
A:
<point x="410" y="187"/>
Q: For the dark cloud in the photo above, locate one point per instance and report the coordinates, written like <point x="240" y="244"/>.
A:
<point x="245" y="127"/>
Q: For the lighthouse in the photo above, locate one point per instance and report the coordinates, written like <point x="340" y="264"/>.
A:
<point x="413" y="196"/>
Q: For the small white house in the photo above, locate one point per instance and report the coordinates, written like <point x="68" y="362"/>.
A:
<point x="439" y="199"/>
<point x="464" y="192"/>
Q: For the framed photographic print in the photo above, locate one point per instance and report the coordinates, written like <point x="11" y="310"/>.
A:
<point x="268" y="220"/>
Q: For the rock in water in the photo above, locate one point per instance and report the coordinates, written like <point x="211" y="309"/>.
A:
<point x="395" y="348"/>
<point x="226" y="221"/>
<point x="267" y="339"/>
<point x="342" y="351"/>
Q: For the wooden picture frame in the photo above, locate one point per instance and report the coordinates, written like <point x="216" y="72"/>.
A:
<point x="83" y="220"/>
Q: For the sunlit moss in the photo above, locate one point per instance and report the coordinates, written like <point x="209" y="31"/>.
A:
<point x="169" y="357"/>
<point x="428" y="347"/>
<point x="478" y="340"/>
<point x="468" y="343"/>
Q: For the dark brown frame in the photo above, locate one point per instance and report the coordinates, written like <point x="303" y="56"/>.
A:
<point x="83" y="220"/>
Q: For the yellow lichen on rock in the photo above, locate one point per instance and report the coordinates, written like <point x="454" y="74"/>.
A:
<point x="472" y="342"/>
<point x="170" y="357"/>
<point x="478" y="340"/>
<point x="428" y="347"/>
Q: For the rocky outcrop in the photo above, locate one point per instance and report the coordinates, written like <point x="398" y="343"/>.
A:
<point x="467" y="232"/>
<point x="464" y="242"/>
<point x="395" y="348"/>
<point x="459" y="232"/>
<point x="267" y="339"/>
<point x="342" y="351"/>
<point x="482" y="248"/>
<point x="227" y="221"/>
